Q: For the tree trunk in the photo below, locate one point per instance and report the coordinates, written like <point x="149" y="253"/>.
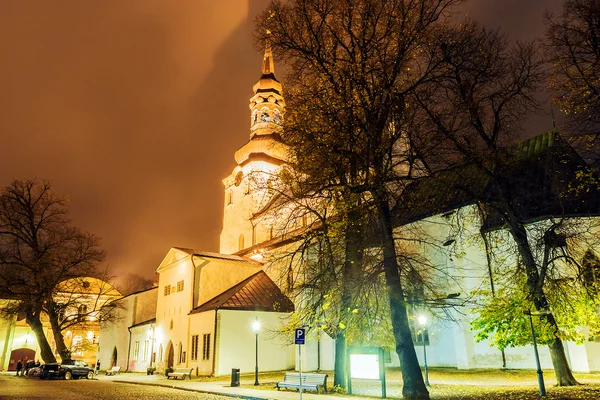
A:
<point x="563" y="373"/>
<point x="339" y="372"/>
<point x="353" y="259"/>
<point x="33" y="320"/>
<point x="59" y="340"/>
<point x="564" y="376"/>
<point x="414" y="386"/>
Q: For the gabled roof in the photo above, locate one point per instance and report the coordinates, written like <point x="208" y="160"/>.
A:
<point x="257" y="293"/>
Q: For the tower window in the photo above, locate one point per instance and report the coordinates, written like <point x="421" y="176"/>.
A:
<point x="276" y="117"/>
<point x="264" y="117"/>
<point x="229" y="198"/>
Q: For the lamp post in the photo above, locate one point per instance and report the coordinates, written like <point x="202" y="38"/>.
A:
<point x="423" y="322"/>
<point x="540" y="374"/>
<point x="256" y="328"/>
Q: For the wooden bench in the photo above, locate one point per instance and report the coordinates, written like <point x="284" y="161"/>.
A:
<point x="180" y="372"/>
<point x="113" y="371"/>
<point x="309" y="381"/>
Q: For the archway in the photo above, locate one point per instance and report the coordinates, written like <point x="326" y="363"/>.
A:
<point x="20" y="354"/>
<point x="113" y="359"/>
<point x="170" y="355"/>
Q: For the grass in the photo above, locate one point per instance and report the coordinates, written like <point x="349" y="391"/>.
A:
<point x="453" y="384"/>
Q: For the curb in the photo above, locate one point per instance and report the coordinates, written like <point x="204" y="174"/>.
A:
<point x="238" y="396"/>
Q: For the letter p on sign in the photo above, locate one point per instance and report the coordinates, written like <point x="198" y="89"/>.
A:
<point x="299" y="335"/>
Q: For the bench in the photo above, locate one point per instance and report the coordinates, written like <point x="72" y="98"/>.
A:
<point x="113" y="371"/>
<point x="180" y="372"/>
<point x="309" y="381"/>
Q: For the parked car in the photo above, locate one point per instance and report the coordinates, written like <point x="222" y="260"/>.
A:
<point x="35" y="371"/>
<point x="69" y="369"/>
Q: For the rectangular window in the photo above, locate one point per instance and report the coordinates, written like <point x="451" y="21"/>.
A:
<point x="180" y="286"/>
<point x="206" y="346"/>
<point x="167" y="290"/>
<point x="136" y="350"/>
<point x="145" y="354"/>
<point x="194" y="347"/>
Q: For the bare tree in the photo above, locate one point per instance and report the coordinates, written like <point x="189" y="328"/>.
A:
<point x="39" y="249"/>
<point x="573" y="44"/>
<point x="132" y="282"/>
<point x="353" y="63"/>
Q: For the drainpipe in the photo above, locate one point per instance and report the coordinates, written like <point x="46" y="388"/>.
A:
<point x="215" y="343"/>
<point x="128" y="349"/>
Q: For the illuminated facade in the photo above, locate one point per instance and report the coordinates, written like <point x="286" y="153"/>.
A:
<point x="83" y="297"/>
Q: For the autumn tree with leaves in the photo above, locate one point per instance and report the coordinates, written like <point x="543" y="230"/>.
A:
<point x="475" y="108"/>
<point x="352" y="66"/>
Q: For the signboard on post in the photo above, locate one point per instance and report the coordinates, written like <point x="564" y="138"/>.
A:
<point x="299" y="336"/>
<point x="299" y="339"/>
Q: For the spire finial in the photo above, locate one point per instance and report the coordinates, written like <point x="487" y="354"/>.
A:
<point x="268" y="66"/>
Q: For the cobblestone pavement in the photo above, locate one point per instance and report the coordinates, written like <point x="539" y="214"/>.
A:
<point x="13" y="388"/>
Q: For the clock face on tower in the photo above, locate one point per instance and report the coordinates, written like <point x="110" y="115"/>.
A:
<point x="238" y="178"/>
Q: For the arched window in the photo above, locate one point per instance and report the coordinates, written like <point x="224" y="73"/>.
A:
<point x="241" y="242"/>
<point x="254" y="117"/>
<point x="276" y="116"/>
<point x="264" y="117"/>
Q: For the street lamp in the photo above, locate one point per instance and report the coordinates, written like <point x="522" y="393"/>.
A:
<point x="256" y="328"/>
<point x="540" y="374"/>
<point x="423" y="322"/>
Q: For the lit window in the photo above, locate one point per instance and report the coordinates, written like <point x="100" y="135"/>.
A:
<point x="180" y="286"/>
<point x="206" y="346"/>
<point x="167" y="290"/>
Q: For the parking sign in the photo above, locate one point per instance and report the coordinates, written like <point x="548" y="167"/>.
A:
<point x="299" y="335"/>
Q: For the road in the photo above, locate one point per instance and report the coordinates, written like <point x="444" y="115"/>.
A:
<point x="13" y="387"/>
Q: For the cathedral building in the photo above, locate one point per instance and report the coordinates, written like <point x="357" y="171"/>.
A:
<point x="207" y="308"/>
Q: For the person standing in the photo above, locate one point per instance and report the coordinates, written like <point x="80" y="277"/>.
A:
<point x="19" y="366"/>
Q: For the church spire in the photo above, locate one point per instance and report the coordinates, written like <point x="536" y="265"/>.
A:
<point x="268" y="66"/>
<point x="267" y="105"/>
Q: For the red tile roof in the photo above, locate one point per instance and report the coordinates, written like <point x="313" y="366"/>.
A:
<point x="257" y="293"/>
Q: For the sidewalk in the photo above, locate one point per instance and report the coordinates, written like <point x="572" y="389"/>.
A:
<point x="220" y="387"/>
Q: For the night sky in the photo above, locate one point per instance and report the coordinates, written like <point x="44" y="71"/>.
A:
<point x="133" y="110"/>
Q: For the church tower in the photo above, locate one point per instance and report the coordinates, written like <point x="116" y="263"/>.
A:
<point x="257" y="165"/>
